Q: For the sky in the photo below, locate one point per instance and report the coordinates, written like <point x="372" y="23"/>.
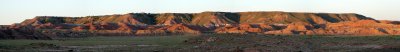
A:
<point x="16" y="11"/>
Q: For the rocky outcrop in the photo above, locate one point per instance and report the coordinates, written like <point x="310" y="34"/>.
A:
<point x="169" y="29"/>
<point x="26" y="32"/>
<point x="204" y="18"/>
<point x="150" y="32"/>
<point x="243" y="28"/>
<point x="361" y="27"/>
<point x="124" y="27"/>
<point x="141" y="24"/>
<point x="131" y="18"/>
<point x="180" y="28"/>
<point x="293" y="28"/>
<point x="214" y="18"/>
<point x="173" y="18"/>
<point x="291" y="17"/>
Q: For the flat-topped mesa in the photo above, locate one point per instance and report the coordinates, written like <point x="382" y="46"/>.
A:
<point x="131" y="18"/>
<point x="138" y="24"/>
<point x="291" y="17"/>
<point x="211" y="22"/>
<point x="44" y="19"/>
<point x="204" y="18"/>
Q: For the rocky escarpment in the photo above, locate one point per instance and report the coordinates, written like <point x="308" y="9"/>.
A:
<point x="270" y="23"/>
<point x="21" y="33"/>
<point x="204" y="18"/>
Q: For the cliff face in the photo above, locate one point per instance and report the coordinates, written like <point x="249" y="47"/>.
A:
<point x="173" y="18"/>
<point x="204" y="18"/>
<point x="286" y="18"/>
<point x="21" y="33"/>
<point x="214" y="18"/>
<point x="278" y="23"/>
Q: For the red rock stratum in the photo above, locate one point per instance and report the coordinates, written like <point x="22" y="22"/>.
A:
<point x="143" y="24"/>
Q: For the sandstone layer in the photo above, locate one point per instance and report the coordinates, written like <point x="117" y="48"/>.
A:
<point x="143" y="24"/>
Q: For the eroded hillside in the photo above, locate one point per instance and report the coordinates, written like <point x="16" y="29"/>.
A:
<point x="143" y="24"/>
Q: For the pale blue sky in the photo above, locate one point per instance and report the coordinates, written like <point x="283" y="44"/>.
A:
<point x="15" y="11"/>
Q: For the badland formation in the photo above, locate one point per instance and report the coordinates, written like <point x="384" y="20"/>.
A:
<point x="155" y="24"/>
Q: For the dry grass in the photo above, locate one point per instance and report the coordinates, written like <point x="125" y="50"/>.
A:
<point x="210" y="42"/>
